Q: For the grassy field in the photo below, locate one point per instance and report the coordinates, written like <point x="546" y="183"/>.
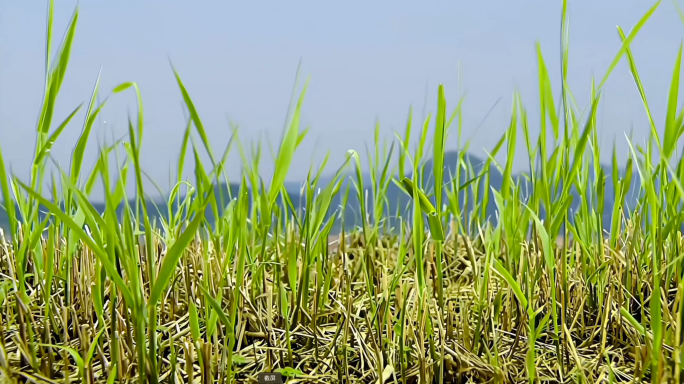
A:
<point x="441" y="293"/>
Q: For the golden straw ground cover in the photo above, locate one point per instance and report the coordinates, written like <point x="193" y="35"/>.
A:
<point x="225" y="283"/>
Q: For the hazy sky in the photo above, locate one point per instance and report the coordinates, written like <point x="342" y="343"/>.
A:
<point x="368" y="61"/>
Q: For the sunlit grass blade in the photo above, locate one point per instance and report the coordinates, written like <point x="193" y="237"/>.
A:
<point x="287" y="149"/>
<point x="47" y="146"/>
<point x="7" y="201"/>
<point x="627" y="41"/>
<point x="194" y="116"/>
<point x="80" y="233"/>
<point x="91" y="116"/>
<point x="672" y="129"/>
<point x="173" y="255"/>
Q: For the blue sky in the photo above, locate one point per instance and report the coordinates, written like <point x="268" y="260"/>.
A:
<point x="368" y="61"/>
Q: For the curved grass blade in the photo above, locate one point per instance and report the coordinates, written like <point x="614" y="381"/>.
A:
<point x="91" y="116"/>
<point x="626" y="42"/>
<point x="80" y="234"/>
<point x="174" y="254"/>
<point x="672" y="128"/>
<point x="45" y="149"/>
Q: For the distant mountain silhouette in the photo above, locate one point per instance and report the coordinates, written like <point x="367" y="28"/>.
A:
<point x="397" y="200"/>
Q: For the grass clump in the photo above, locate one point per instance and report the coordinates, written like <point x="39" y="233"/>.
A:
<point x="227" y="283"/>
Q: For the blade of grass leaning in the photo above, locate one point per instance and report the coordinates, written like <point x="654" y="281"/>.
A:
<point x="91" y="116"/>
<point x="80" y="233"/>
<point x="174" y="254"/>
<point x="627" y="41"/>
<point x="287" y="149"/>
<point x="672" y="129"/>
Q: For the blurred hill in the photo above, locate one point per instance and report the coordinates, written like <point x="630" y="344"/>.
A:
<point x="396" y="200"/>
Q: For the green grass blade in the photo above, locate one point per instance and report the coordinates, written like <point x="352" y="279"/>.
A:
<point x="174" y="254"/>
<point x="216" y="306"/>
<point x="194" y="322"/>
<point x="642" y="93"/>
<point x="91" y="116"/>
<point x="287" y="149"/>
<point x="626" y="42"/>
<point x="672" y="129"/>
<point x="194" y="116"/>
<point x="47" y="146"/>
<point x="80" y="234"/>
<point x="7" y="199"/>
